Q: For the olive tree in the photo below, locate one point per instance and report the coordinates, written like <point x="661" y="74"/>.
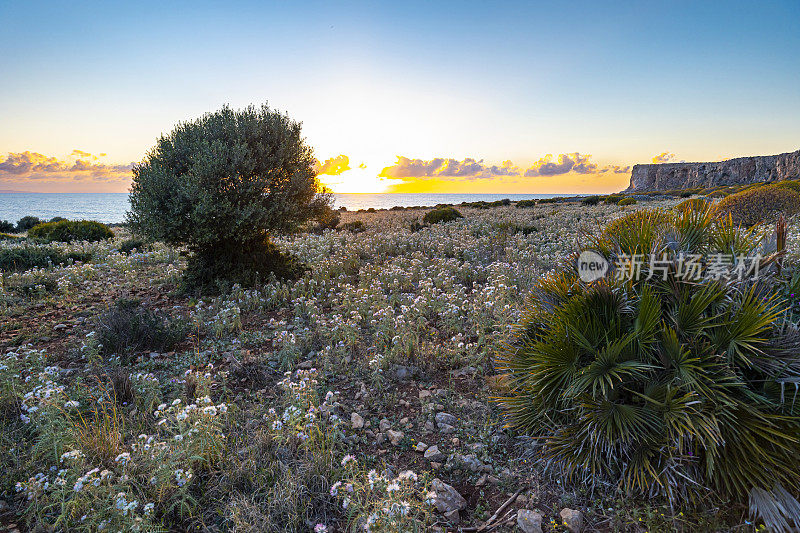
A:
<point x="221" y="185"/>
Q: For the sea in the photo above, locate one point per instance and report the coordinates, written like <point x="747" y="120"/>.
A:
<point x="111" y="207"/>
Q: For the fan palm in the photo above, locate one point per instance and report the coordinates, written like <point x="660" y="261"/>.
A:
<point x="665" y="386"/>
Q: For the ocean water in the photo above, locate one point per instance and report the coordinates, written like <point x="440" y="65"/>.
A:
<point x="111" y="207"/>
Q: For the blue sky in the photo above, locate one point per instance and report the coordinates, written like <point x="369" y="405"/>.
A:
<point x="611" y="85"/>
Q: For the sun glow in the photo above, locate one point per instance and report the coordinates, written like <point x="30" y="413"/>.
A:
<point x="359" y="179"/>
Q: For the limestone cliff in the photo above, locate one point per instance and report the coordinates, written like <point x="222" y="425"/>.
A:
<point x="742" y="170"/>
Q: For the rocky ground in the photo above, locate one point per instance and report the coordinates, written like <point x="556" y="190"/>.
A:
<point x="373" y="372"/>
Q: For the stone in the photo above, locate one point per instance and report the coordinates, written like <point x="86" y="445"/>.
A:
<point x="421" y="447"/>
<point x="445" y="418"/>
<point x="446" y="429"/>
<point x="529" y="521"/>
<point x="429" y="426"/>
<point x="403" y="373"/>
<point x="60" y="327"/>
<point x="466" y="371"/>
<point x="384" y="425"/>
<point x="306" y="365"/>
<point x="395" y="436"/>
<point x="433" y="454"/>
<point x="572" y="519"/>
<point x="738" y="171"/>
<point x="424" y="394"/>
<point x="357" y="421"/>
<point x="380" y="438"/>
<point x="446" y="498"/>
<point x="453" y="516"/>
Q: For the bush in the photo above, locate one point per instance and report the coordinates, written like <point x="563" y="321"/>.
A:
<point x="686" y="194"/>
<point x="129" y="245"/>
<point x="788" y="184"/>
<point x="613" y="198"/>
<point x="356" y="226"/>
<point x="591" y="200"/>
<point x="526" y="203"/>
<point x="443" y="214"/>
<point x="221" y="185"/>
<point x="71" y="230"/>
<point x="662" y="388"/>
<point x="695" y="204"/>
<point x="6" y="227"/>
<point x="28" y="257"/>
<point x="761" y="204"/>
<point x="128" y="328"/>
<point x="57" y="219"/>
<point x="26" y="223"/>
<point x="627" y="201"/>
<point x="328" y="218"/>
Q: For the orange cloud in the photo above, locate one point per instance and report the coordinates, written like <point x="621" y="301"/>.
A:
<point x="81" y="167"/>
<point x="663" y="157"/>
<point x="447" y="169"/>
<point x="334" y="166"/>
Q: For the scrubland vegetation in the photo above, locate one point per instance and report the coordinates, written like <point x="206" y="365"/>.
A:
<point x="346" y="398"/>
<point x="241" y="357"/>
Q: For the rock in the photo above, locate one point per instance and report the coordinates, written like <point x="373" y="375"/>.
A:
<point x="380" y="438"/>
<point x="445" y="418"/>
<point x="357" y="421"/>
<point x="395" y="436"/>
<point x="306" y="365"/>
<point x="469" y="462"/>
<point x="424" y="394"/>
<point x="453" y="516"/>
<point x="572" y="519"/>
<point x="466" y="371"/>
<point x="433" y="454"/>
<point x="738" y="171"/>
<point x="384" y="425"/>
<point x="445" y="498"/>
<point x="446" y="429"/>
<point x="421" y="447"/>
<point x="529" y="521"/>
<point x="429" y="426"/>
<point x="403" y="373"/>
<point x="60" y="327"/>
<point x="482" y="481"/>
<point x="3" y="506"/>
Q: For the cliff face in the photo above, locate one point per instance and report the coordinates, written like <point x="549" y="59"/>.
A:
<point x="741" y="170"/>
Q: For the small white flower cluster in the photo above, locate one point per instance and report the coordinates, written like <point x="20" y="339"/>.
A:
<point x="383" y="502"/>
<point x="304" y="416"/>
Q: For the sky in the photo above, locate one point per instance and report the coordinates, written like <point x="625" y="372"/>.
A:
<point x="485" y="97"/>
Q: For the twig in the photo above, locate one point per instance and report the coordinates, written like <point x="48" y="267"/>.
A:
<point x="488" y="524"/>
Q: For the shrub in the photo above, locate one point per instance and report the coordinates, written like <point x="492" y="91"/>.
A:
<point x="26" y="223"/>
<point x="789" y="184"/>
<point x="328" y="218"/>
<point x="28" y="257"/>
<point x="129" y="245"/>
<point x="526" y="203"/>
<point x="662" y="387"/>
<point x="221" y="185"/>
<point x="761" y="204"/>
<point x="591" y="200"/>
<point x="71" y="230"/>
<point x="686" y="194"/>
<point x="356" y="226"/>
<point x="695" y="204"/>
<point x="613" y="198"/>
<point x="627" y="201"/>
<point x="443" y="214"/>
<point x="6" y="226"/>
<point x="57" y="219"/>
<point x="128" y="328"/>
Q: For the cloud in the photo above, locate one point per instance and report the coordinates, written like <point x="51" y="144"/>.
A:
<point x="26" y="166"/>
<point x="447" y="169"/>
<point x="572" y="162"/>
<point x="663" y="157"/>
<point x="334" y="166"/>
